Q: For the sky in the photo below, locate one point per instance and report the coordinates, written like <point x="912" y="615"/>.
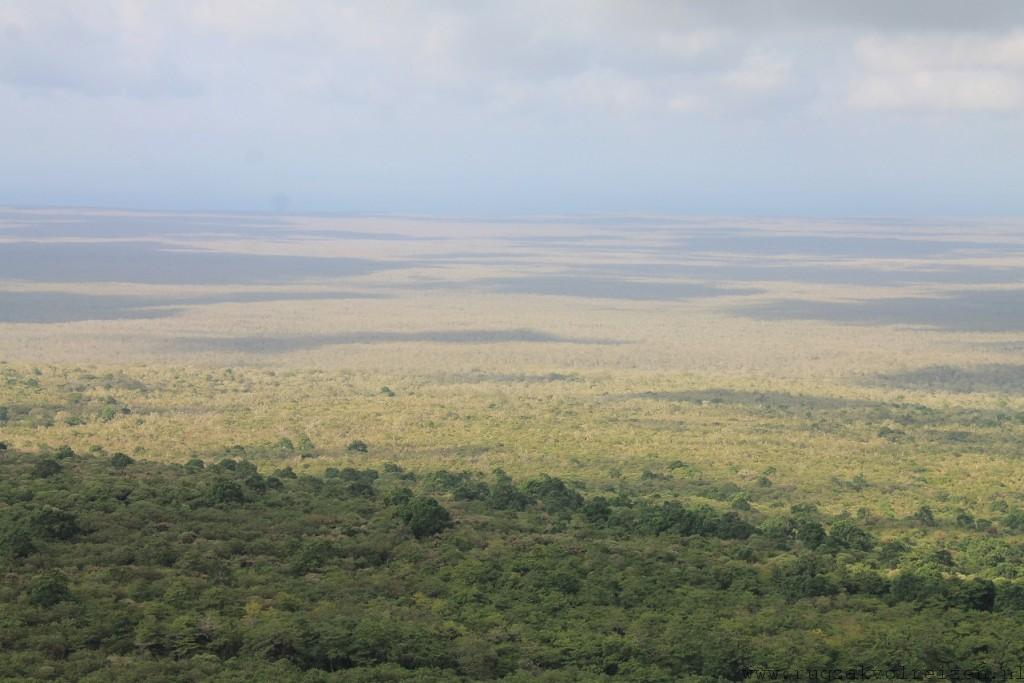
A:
<point x="747" y="107"/>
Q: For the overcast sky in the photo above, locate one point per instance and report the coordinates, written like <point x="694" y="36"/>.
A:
<point x="758" y="107"/>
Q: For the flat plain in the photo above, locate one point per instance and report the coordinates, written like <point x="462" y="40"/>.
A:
<point x="594" y="345"/>
<point x="868" y="370"/>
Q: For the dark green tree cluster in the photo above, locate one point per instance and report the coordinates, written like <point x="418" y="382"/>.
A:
<point x="116" y="568"/>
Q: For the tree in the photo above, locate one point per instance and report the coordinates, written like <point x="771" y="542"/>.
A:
<point x="398" y="496"/>
<point x="285" y="473"/>
<point x="740" y="501"/>
<point x="810" y="532"/>
<point x="357" y="446"/>
<point x="848" y="535"/>
<point x="313" y="555"/>
<point x="425" y="517"/>
<point x="505" y="495"/>
<point x="909" y="586"/>
<point x="597" y="510"/>
<point x="49" y="589"/>
<point x="227" y="492"/>
<point x="56" y="524"/>
<point x="44" y="469"/>
<point x="120" y="461"/>
<point x="1015" y="519"/>
<point x="925" y="516"/>
<point x="803" y="577"/>
<point x="977" y="593"/>
<point x="553" y="493"/>
<point x="17" y="542"/>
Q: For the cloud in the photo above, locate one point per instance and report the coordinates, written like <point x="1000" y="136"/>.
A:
<point x="940" y="73"/>
<point x="602" y="54"/>
<point x="949" y="90"/>
<point x="99" y="49"/>
<point x="359" y="103"/>
<point x="608" y="55"/>
<point x="759" y="73"/>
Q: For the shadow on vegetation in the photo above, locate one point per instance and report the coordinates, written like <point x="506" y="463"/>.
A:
<point x="849" y="247"/>
<point x="138" y="226"/>
<point x="258" y="344"/>
<point x="180" y="225"/>
<point x="592" y="287"/>
<point x="790" y="271"/>
<point x="994" y="377"/>
<point x="508" y="378"/>
<point x="153" y="263"/>
<point x="772" y="399"/>
<point x="62" y="307"/>
<point x="982" y="311"/>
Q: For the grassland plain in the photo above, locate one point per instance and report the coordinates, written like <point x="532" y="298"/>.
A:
<point x="871" y="371"/>
<point x="568" y="344"/>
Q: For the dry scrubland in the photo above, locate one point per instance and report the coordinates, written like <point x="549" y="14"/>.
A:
<point x="601" y="349"/>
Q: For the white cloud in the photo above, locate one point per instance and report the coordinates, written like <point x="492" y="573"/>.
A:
<point x="760" y="72"/>
<point x="344" y="95"/>
<point x="940" y="73"/>
<point x="948" y="51"/>
<point x="940" y="90"/>
<point x="603" y="54"/>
